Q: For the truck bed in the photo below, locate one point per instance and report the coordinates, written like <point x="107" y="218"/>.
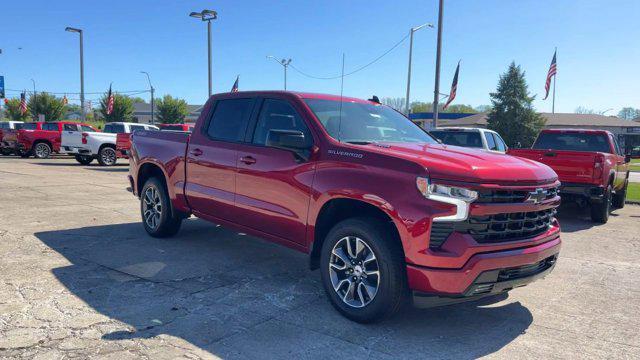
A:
<point x="571" y="166"/>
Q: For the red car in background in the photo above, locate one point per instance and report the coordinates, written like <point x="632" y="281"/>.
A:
<point x="46" y="138"/>
<point x="590" y="164"/>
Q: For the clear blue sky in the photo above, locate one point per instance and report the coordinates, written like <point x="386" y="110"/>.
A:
<point x="598" y="56"/>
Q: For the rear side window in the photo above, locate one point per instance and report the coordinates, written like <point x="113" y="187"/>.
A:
<point x="114" y="128"/>
<point x="277" y="115"/>
<point x="52" y="127"/>
<point x="459" y="138"/>
<point x="230" y="119"/>
<point x="70" y="127"/>
<point x="499" y="143"/>
<point x="133" y="128"/>
<point x="4" y="125"/>
<point x="86" y="128"/>
<point x="572" y="142"/>
<point x="27" y="126"/>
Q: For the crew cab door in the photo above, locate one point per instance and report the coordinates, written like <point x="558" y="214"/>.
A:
<point x="211" y="159"/>
<point x="273" y="185"/>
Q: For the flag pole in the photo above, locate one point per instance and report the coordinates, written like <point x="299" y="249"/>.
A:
<point x="553" y="102"/>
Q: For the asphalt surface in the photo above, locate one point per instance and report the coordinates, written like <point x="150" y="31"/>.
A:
<point x="81" y="279"/>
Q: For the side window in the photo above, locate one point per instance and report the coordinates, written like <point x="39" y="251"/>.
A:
<point x="616" y="146"/>
<point x="52" y="127"/>
<point x="4" y="125"/>
<point x="230" y="119"/>
<point x="500" y="143"/>
<point x="70" y="127"/>
<point x="491" y="144"/>
<point x="133" y="128"/>
<point x="114" y="128"/>
<point x="277" y="115"/>
<point x="86" y="128"/>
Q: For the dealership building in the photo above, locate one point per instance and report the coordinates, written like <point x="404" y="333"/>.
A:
<point x="626" y="131"/>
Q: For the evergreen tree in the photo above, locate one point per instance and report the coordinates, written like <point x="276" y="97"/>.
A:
<point x="122" y="108"/>
<point x="171" y="110"/>
<point x="512" y="114"/>
<point x="12" y="109"/>
<point x="46" y="104"/>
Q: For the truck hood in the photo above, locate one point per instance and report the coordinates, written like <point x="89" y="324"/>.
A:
<point x="470" y="165"/>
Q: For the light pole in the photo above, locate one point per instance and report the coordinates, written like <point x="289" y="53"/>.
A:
<point x="285" y="64"/>
<point x="436" y="91"/>
<point x="207" y="15"/>
<point x="152" y="90"/>
<point x="82" y="109"/>
<point x="34" y="87"/>
<point x="411" y="31"/>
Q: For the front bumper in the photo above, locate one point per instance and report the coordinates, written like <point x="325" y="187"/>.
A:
<point x="480" y="276"/>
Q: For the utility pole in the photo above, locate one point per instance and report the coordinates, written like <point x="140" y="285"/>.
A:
<point x="411" y="31"/>
<point x="82" y="108"/>
<point x="207" y="15"/>
<point x="285" y="64"/>
<point x="436" y="91"/>
<point x="152" y="97"/>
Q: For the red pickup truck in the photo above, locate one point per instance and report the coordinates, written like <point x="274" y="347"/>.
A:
<point x="382" y="208"/>
<point x="590" y="164"/>
<point x="45" y="140"/>
<point x="10" y="137"/>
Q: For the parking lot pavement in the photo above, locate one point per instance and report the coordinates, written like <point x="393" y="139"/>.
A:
<point x="80" y="278"/>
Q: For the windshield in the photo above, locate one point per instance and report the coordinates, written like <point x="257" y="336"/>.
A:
<point x="459" y="138"/>
<point x="572" y="142"/>
<point x="366" y="123"/>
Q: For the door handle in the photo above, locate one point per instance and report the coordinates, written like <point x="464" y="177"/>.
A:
<point x="248" y="160"/>
<point x="550" y="154"/>
<point x="195" y="152"/>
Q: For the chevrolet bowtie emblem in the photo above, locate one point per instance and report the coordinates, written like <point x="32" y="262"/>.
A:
<point x="537" y="196"/>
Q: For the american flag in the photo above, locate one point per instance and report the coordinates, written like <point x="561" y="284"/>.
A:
<point x="65" y="101"/>
<point x="23" y="103"/>
<point x="110" y="101"/>
<point x="234" y="88"/>
<point x="454" y="88"/>
<point x="550" y="74"/>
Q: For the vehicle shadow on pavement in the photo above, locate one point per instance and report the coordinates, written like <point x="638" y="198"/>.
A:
<point x="573" y="217"/>
<point x="236" y="296"/>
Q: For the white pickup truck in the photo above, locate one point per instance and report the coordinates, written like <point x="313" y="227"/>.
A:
<point x="86" y="146"/>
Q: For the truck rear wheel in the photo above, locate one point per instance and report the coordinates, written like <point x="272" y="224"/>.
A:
<point x="155" y="208"/>
<point x="84" y="159"/>
<point x="600" y="211"/>
<point x="620" y="196"/>
<point x="42" y="150"/>
<point x="363" y="270"/>
<point x="107" y="156"/>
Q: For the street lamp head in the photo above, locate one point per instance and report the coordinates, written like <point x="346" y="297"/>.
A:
<point x="196" y="15"/>
<point x="209" y="15"/>
<point x="70" y="29"/>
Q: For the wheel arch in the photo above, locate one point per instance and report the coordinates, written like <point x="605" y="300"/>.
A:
<point x="341" y="208"/>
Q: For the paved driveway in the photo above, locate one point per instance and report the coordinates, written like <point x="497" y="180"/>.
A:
<point x="81" y="279"/>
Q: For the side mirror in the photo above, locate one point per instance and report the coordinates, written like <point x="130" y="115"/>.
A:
<point x="292" y="140"/>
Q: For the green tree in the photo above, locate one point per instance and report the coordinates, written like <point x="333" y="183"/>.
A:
<point x="512" y="114"/>
<point x="122" y="108"/>
<point x="46" y="104"/>
<point x="418" y="106"/>
<point x="171" y="110"/>
<point x="629" y="113"/>
<point x="460" y="108"/>
<point x="12" y="107"/>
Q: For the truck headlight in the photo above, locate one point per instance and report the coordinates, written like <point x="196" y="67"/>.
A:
<point x="455" y="195"/>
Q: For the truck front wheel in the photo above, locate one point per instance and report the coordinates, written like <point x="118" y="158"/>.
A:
<point x="363" y="270"/>
<point x="155" y="208"/>
<point x="600" y="211"/>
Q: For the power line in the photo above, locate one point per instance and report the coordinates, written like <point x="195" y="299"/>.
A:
<point x="354" y="71"/>
<point x="130" y="92"/>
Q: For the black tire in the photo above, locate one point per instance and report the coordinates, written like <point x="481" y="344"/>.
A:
<point x="620" y="196"/>
<point x="23" y="153"/>
<point x="41" y="150"/>
<point x="392" y="286"/>
<point x="166" y="224"/>
<point x="107" y="156"/>
<point x="600" y="211"/>
<point x="6" y="151"/>
<point x="84" y="159"/>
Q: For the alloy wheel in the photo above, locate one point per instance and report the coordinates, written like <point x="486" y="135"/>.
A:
<point x="42" y="151"/>
<point x="152" y="208"/>
<point x="108" y="156"/>
<point x="354" y="271"/>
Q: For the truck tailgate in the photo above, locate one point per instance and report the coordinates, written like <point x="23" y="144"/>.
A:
<point x="571" y="166"/>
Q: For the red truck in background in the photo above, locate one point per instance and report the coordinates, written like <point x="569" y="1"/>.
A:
<point x="45" y="139"/>
<point x="4" y="127"/>
<point x="176" y="127"/>
<point x="590" y="164"/>
<point x="383" y="209"/>
<point x="10" y="137"/>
